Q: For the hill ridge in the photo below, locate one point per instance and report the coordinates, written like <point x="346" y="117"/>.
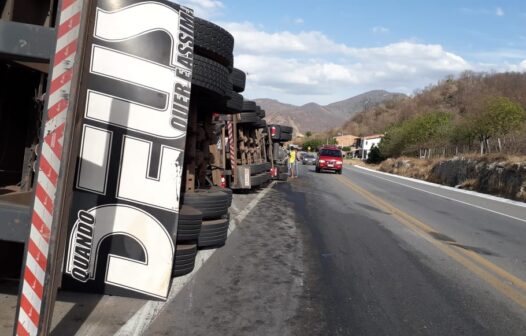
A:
<point x="316" y="117"/>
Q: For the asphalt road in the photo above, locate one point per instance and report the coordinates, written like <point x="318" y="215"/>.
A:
<point x="361" y="254"/>
<point x="402" y="258"/>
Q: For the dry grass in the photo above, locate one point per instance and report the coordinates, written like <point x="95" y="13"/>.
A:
<point x="410" y="167"/>
<point x="496" y="157"/>
<point x="358" y="162"/>
<point x="470" y="184"/>
<point x="421" y="169"/>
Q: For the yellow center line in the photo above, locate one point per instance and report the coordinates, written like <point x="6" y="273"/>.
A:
<point x="508" y="284"/>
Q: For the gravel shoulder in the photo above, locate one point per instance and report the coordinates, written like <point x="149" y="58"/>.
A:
<point x="255" y="285"/>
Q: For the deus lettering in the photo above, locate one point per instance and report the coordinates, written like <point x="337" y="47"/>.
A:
<point x="135" y="129"/>
<point x="82" y="246"/>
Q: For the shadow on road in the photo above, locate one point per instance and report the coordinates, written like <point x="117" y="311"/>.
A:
<point x="72" y="321"/>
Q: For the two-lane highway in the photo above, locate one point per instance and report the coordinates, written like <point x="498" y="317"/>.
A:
<point x="362" y="253"/>
<point x="398" y="257"/>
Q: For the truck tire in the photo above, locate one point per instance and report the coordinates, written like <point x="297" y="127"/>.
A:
<point x="286" y="129"/>
<point x="189" y="224"/>
<point x="259" y="179"/>
<point x="184" y="259"/>
<point x="283" y="177"/>
<point x="258" y="168"/>
<point x="248" y="117"/>
<point x="258" y="124"/>
<point x="284" y="134"/>
<point x="213" y="42"/>
<point x="210" y="77"/>
<point x="238" y="79"/>
<point x="261" y="113"/>
<point x="249" y="106"/>
<point x="234" y="104"/>
<point x="213" y="203"/>
<point x="214" y="232"/>
<point x="286" y="137"/>
<point x="261" y="124"/>
<point x="281" y="133"/>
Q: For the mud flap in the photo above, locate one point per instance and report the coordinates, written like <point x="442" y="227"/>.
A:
<point x="131" y="121"/>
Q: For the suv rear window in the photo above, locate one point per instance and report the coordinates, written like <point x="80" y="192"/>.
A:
<point x="330" y="152"/>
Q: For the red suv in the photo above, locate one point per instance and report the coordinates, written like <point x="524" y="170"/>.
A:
<point x="329" y="158"/>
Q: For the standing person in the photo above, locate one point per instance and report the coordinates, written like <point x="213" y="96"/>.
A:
<point x="296" y="165"/>
<point x="292" y="163"/>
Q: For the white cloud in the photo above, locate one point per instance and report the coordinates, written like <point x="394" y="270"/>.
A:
<point x="251" y="39"/>
<point x="502" y="67"/>
<point x="380" y="30"/>
<point x="308" y="66"/>
<point x="203" y="8"/>
<point x="296" y="80"/>
<point x="499" y="12"/>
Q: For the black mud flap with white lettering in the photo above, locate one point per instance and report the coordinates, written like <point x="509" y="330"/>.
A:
<point x="131" y="127"/>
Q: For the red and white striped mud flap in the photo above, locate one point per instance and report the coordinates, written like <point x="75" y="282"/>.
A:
<point x="233" y="154"/>
<point x="29" y="312"/>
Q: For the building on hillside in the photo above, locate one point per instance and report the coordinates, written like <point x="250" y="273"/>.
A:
<point x="346" y="140"/>
<point x="364" y="145"/>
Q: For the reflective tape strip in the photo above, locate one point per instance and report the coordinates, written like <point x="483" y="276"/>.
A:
<point x="25" y="324"/>
<point x="233" y="156"/>
<point x="37" y="254"/>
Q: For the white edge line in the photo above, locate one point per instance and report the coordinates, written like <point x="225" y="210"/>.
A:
<point x="142" y="319"/>
<point x="436" y="185"/>
<point x="448" y="198"/>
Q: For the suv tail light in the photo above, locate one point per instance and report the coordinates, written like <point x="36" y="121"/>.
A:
<point x="273" y="131"/>
<point x="223" y="181"/>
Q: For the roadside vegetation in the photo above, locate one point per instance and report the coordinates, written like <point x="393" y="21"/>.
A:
<point x="496" y="174"/>
<point x="467" y="132"/>
<point x="474" y="113"/>
<point x="316" y="140"/>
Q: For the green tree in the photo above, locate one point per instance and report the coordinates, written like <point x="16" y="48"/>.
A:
<point x="313" y="143"/>
<point x="500" y="117"/>
<point x="420" y="132"/>
<point x="392" y="144"/>
<point x="375" y="156"/>
<point x="462" y="134"/>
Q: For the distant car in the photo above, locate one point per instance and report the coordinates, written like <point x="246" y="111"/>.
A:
<point x="308" y="159"/>
<point x="329" y="158"/>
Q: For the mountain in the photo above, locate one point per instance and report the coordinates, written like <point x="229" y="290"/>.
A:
<point x="464" y="97"/>
<point x="314" y="117"/>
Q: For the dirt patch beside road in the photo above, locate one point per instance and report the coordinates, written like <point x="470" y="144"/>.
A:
<point x="251" y="286"/>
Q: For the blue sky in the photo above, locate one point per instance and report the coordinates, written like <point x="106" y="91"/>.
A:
<point x="324" y="51"/>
